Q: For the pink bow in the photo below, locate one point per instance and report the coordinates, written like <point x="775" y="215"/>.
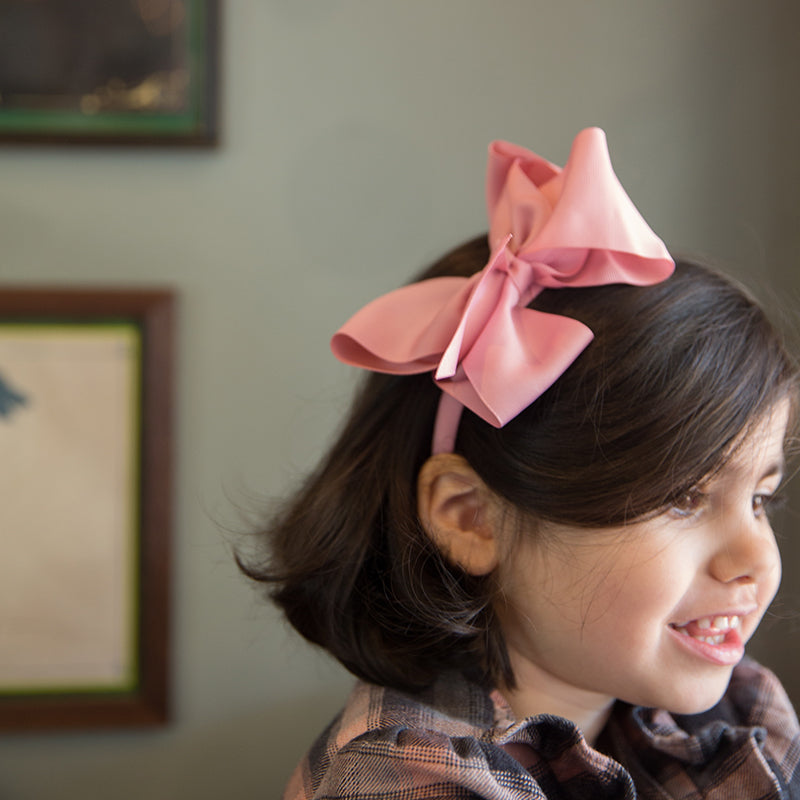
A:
<point x="487" y="350"/>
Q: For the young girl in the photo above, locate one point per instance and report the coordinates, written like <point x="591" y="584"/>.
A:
<point x="541" y="539"/>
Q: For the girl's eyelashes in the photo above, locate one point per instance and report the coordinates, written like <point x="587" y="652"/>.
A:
<point x="765" y="503"/>
<point x="688" y="503"/>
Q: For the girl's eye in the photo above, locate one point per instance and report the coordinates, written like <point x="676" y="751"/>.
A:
<point x="688" y="503"/>
<point x="765" y="503"/>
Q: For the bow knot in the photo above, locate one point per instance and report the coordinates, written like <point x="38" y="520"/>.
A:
<point x="549" y="228"/>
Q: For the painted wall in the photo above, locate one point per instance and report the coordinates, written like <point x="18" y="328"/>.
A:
<point x="353" y="153"/>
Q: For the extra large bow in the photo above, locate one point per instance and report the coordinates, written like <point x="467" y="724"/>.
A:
<point x="548" y="228"/>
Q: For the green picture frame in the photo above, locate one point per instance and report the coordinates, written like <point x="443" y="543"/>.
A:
<point x="135" y="72"/>
<point x="85" y="422"/>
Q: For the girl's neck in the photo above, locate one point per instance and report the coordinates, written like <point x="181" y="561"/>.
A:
<point x="542" y="693"/>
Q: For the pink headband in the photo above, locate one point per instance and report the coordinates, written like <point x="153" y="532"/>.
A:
<point x="549" y="228"/>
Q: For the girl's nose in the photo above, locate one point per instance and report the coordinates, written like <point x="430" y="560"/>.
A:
<point x="747" y="550"/>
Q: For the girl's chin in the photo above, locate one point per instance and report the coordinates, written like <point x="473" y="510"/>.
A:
<point x="697" y="702"/>
<point x="695" y="695"/>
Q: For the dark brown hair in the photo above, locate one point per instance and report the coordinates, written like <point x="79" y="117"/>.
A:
<point x="655" y="403"/>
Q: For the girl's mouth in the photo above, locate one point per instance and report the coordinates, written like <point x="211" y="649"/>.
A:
<point x="716" y="639"/>
<point x="711" y="630"/>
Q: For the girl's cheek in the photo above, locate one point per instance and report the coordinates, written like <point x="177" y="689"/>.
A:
<point x="774" y="581"/>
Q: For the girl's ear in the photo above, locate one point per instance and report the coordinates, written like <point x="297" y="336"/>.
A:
<point x="458" y="512"/>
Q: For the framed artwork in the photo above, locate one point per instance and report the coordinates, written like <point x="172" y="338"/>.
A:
<point x="85" y="432"/>
<point x="109" y="71"/>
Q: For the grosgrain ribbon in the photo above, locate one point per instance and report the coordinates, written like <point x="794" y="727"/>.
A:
<point x="549" y="228"/>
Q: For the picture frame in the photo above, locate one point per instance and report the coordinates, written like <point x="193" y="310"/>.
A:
<point x="133" y="72"/>
<point x="86" y="427"/>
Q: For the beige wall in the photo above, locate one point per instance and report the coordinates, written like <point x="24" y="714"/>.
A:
<point x="354" y="145"/>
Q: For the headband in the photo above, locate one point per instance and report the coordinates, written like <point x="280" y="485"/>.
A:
<point x="548" y="228"/>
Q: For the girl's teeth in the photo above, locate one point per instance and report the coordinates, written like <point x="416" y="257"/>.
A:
<point x="724" y="624"/>
<point x="718" y="639"/>
<point x="717" y="623"/>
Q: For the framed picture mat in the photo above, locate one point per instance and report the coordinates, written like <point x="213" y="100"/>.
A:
<point x="86" y="397"/>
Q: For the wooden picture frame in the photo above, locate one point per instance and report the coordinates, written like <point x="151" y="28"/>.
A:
<point x="85" y="428"/>
<point x="109" y="72"/>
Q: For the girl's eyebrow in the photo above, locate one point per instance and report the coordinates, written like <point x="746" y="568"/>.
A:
<point x="774" y="468"/>
<point x="777" y="468"/>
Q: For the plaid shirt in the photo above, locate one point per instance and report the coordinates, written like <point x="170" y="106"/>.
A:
<point x="458" y="741"/>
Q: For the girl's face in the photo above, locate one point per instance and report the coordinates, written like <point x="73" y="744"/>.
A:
<point x="655" y="613"/>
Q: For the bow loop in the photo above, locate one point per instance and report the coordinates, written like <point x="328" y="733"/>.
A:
<point x="549" y="228"/>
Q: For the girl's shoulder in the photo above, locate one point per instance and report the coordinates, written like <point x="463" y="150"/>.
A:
<point x="452" y="708"/>
<point x="386" y="741"/>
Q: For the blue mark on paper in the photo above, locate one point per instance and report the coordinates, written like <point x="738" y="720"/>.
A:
<point x="10" y="399"/>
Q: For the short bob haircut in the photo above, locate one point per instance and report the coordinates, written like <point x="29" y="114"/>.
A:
<point x="656" y="403"/>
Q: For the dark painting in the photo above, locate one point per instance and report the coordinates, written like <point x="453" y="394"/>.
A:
<point x="108" y="69"/>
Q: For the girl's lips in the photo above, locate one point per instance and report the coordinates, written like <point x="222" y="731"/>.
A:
<point x="718" y="645"/>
